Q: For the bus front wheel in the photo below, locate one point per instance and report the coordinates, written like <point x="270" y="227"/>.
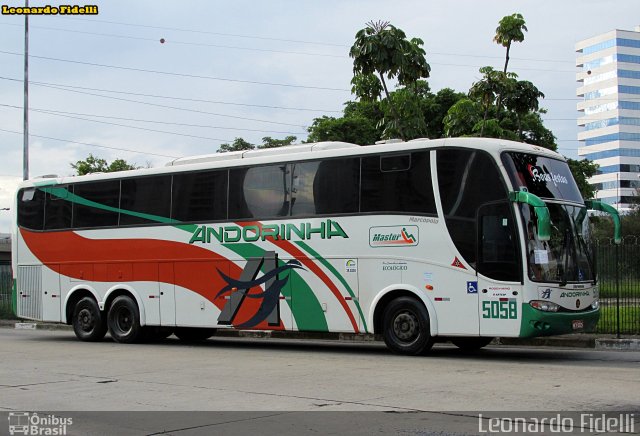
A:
<point x="406" y="327"/>
<point x="124" y="320"/>
<point x="88" y="323"/>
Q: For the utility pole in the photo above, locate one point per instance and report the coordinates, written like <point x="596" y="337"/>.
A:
<point x="25" y="148"/>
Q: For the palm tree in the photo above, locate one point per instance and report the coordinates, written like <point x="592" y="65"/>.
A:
<point x="510" y="28"/>
<point x="383" y="49"/>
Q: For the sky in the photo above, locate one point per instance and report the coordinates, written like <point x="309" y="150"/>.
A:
<point x="108" y="86"/>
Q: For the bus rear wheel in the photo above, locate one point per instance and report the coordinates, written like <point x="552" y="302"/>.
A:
<point x="88" y="322"/>
<point x="471" y="343"/>
<point x="406" y="327"/>
<point x="124" y="320"/>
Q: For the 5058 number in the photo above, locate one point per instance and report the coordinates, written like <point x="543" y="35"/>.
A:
<point x="499" y="309"/>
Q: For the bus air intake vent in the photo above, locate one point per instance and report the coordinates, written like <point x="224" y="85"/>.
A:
<point x="30" y="292"/>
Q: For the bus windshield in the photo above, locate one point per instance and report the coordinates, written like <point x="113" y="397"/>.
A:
<point x="567" y="255"/>
<point x="542" y="176"/>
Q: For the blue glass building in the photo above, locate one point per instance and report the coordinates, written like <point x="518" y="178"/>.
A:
<point x="609" y="83"/>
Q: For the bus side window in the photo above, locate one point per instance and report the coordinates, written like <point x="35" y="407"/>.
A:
<point x="31" y="208"/>
<point x="145" y="195"/>
<point x="397" y="183"/>
<point x="200" y="196"/>
<point x="467" y="179"/>
<point x="336" y="186"/>
<point x="93" y="212"/>
<point x="302" y="199"/>
<point x="259" y="192"/>
<point x="57" y="210"/>
<point x="498" y="255"/>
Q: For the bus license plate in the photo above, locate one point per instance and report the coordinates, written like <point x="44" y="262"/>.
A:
<point x="578" y="324"/>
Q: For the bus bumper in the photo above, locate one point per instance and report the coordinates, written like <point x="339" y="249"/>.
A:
<point x="538" y="323"/>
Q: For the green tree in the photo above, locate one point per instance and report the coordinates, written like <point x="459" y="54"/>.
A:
<point x="382" y="49"/>
<point x="269" y="142"/>
<point x="434" y="109"/>
<point x="582" y="170"/>
<point x="522" y="99"/>
<point x="366" y="87"/>
<point x="510" y="29"/>
<point x="462" y="117"/>
<point x="356" y="129"/>
<point x="238" y="144"/>
<point x="94" y="164"/>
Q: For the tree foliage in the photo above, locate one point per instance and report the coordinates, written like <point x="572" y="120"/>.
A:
<point x="240" y="144"/>
<point x="582" y="170"/>
<point x="94" y="164"/>
<point x="510" y="29"/>
<point x="382" y="50"/>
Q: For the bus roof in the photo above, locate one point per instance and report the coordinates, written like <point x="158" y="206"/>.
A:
<point x="300" y="152"/>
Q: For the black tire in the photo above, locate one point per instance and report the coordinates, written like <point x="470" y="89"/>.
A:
<point x="194" y="334"/>
<point x="405" y="327"/>
<point x="473" y="343"/>
<point x="88" y="322"/>
<point x="124" y="320"/>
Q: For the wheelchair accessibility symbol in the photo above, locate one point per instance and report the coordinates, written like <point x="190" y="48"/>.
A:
<point x="472" y="287"/>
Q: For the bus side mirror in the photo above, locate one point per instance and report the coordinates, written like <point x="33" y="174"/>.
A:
<point x="540" y="209"/>
<point x="603" y="207"/>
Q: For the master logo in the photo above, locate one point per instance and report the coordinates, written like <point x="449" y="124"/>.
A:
<point x="393" y="236"/>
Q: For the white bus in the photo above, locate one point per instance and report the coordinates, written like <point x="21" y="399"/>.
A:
<point x="421" y="241"/>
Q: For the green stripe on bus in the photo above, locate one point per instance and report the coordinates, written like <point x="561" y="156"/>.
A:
<point x="305" y="307"/>
<point x="335" y="272"/>
<point x="66" y="195"/>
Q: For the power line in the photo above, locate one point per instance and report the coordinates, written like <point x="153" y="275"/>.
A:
<point x="78" y="115"/>
<point x="175" y="107"/>
<point x="167" y="73"/>
<point x="171" y="41"/>
<point x="196" y="100"/>
<point x="209" y="32"/>
<point x="304" y="42"/>
<point x="203" y="44"/>
<point x="92" y="145"/>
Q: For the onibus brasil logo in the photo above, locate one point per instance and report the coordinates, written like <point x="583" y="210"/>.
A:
<point x="394" y="236"/>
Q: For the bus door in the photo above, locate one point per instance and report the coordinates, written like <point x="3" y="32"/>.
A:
<point x="499" y="271"/>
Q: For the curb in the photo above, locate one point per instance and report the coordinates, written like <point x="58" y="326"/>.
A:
<point x="557" y="341"/>
<point x="618" y="344"/>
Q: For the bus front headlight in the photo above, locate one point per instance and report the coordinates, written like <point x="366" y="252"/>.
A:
<point x="545" y="306"/>
<point x="595" y="305"/>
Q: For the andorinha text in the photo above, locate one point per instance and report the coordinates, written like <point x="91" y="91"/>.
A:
<point x="51" y="10"/>
<point x="325" y="230"/>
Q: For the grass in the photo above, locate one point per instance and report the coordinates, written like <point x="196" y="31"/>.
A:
<point x="6" y="312"/>
<point x="629" y="320"/>
<point x="628" y="288"/>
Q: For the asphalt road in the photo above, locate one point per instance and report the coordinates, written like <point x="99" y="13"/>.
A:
<point x="52" y="371"/>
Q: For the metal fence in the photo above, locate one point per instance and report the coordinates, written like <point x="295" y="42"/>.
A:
<point x="619" y="276"/>
<point x="6" y="284"/>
